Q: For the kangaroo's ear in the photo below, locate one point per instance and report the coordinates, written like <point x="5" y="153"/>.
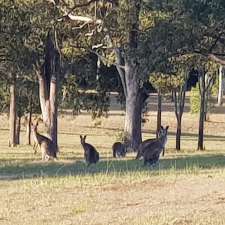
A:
<point x="81" y="138"/>
<point x="161" y="127"/>
<point x="167" y="127"/>
<point x="85" y="137"/>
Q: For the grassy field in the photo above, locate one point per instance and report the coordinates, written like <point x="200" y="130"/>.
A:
<point x="186" y="188"/>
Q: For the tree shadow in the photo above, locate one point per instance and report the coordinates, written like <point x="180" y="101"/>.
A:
<point x="32" y="169"/>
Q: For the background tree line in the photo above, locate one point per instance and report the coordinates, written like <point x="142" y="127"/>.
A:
<point x="54" y="52"/>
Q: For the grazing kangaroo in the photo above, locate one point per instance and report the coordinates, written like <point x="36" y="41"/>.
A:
<point x="119" y="150"/>
<point x="90" y="153"/>
<point x="152" y="149"/>
<point x="141" y="147"/>
<point x="48" y="149"/>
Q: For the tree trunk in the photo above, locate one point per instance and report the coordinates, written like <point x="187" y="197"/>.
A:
<point x="220" y="91"/>
<point x="129" y="74"/>
<point x="202" y="115"/>
<point x="18" y="126"/>
<point x="53" y="112"/>
<point x="12" y="114"/>
<point x="48" y="86"/>
<point x="28" y="128"/>
<point x="159" y="113"/>
<point x="178" y="134"/>
<point x="133" y="119"/>
<point x="172" y="96"/>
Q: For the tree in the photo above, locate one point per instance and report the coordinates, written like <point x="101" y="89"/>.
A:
<point x="179" y="101"/>
<point x="48" y="85"/>
<point x="15" y="57"/>
<point x="206" y="78"/>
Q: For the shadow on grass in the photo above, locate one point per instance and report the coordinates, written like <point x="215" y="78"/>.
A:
<point x="31" y="169"/>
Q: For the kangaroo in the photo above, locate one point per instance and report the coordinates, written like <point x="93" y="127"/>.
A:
<point x="152" y="150"/>
<point x="48" y="149"/>
<point x="119" y="150"/>
<point x="141" y="147"/>
<point x="90" y="153"/>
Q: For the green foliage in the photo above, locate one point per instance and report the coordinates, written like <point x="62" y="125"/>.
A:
<point x="4" y="96"/>
<point x="77" y="99"/>
<point x="195" y="99"/>
<point x="165" y="82"/>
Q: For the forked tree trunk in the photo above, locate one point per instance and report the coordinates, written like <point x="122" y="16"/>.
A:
<point x="205" y="84"/>
<point x="48" y="86"/>
<point x="12" y="114"/>
<point x="179" y="102"/>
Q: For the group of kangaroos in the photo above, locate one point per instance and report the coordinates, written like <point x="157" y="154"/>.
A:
<point x="149" y="149"/>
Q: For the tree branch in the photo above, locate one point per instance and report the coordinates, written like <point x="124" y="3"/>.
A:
<point x="216" y="59"/>
<point x="120" y="70"/>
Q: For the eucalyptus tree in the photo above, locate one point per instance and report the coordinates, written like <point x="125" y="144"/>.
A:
<point x="118" y="29"/>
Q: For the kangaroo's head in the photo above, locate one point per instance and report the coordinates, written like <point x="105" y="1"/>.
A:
<point x="82" y="139"/>
<point x="163" y="132"/>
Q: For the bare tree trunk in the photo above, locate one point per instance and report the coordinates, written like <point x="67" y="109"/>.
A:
<point x="201" y="125"/>
<point x="132" y="126"/>
<point x="178" y="134"/>
<point x="28" y="127"/>
<point x="159" y="113"/>
<point x="205" y="84"/>
<point x="179" y="102"/>
<point x="12" y="114"/>
<point x="202" y="113"/>
<point x="18" y="126"/>
<point x="53" y="112"/>
<point x="220" y="91"/>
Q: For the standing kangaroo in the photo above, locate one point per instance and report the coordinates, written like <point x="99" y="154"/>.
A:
<point x="48" y="149"/>
<point x="90" y="153"/>
<point x="152" y="149"/>
<point x="142" y="146"/>
<point x="119" y="150"/>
